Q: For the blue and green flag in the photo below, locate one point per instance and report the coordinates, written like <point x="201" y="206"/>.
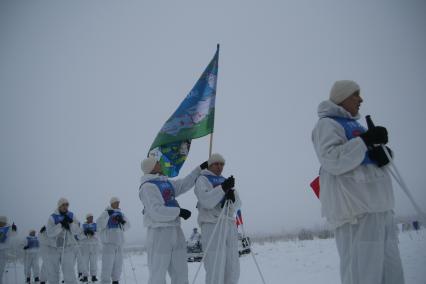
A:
<point x="194" y="118"/>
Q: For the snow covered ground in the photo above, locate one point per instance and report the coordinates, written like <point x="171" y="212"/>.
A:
<point x="286" y="262"/>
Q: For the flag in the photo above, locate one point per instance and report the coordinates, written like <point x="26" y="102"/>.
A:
<point x="239" y="218"/>
<point x="194" y="118"/>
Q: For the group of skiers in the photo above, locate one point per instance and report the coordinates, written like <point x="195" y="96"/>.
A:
<point x="63" y="242"/>
<point x="356" y="196"/>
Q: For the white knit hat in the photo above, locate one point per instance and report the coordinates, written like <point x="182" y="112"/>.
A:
<point x="343" y="89"/>
<point x="113" y="200"/>
<point x="3" y="219"/>
<point x="62" y="201"/>
<point x="148" y="165"/>
<point x="89" y="215"/>
<point x="216" y="158"/>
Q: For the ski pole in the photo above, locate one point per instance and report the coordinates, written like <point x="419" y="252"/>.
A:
<point x="133" y="268"/>
<point x="208" y="246"/>
<point x="254" y="258"/>
<point x="221" y="237"/>
<point x="396" y="175"/>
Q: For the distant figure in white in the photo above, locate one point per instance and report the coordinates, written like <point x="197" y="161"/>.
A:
<point x="61" y="228"/>
<point x="165" y="242"/>
<point x="195" y="237"/>
<point x="42" y="238"/>
<point x="221" y="262"/>
<point x="7" y="234"/>
<point x="31" y="255"/>
<point x="89" y="247"/>
<point x="111" y="225"/>
<point x="356" y="191"/>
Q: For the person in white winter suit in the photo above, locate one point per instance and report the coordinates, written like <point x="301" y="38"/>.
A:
<point x="89" y="245"/>
<point x="31" y="255"/>
<point x="43" y="240"/>
<point x="111" y="225"/>
<point x="165" y="242"/>
<point x="221" y="261"/>
<point x="61" y="228"/>
<point x="356" y="191"/>
<point x="7" y="234"/>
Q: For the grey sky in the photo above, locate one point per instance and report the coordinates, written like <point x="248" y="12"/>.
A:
<point x="86" y="85"/>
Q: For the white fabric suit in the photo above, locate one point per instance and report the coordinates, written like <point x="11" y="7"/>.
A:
<point x="42" y="237"/>
<point x="89" y="246"/>
<point x="31" y="257"/>
<point x="6" y="243"/>
<point x="227" y="267"/>
<point x="357" y="199"/>
<point x="56" y="249"/>
<point x="112" y="246"/>
<point x="165" y="242"/>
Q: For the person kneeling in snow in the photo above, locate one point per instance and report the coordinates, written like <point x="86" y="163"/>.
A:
<point x="111" y="225"/>
<point x="165" y="241"/>
<point x="356" y="191"/>
<point x="212" y="191"/>
<point x="60" y="229"/>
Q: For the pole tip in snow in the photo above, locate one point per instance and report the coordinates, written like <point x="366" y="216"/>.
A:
<point x="218" y="45"/>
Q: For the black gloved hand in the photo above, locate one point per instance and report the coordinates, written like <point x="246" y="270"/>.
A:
<point x="185" y="214"/>
<point x="230" y="195"/>
<point x="375" y="135"/>
<point x="14" y="228"/>
<point x="228" y="183"/>
<point x="43" y="229"/>
<point x="378" y="155"/>
<point x="204" y="165"/>
<point x="26" y="247"/>
<point x="68" y="219"/>
<point x="110" y="212"/>
<point x="119" y="219"/>
<point x="65" y="224"/>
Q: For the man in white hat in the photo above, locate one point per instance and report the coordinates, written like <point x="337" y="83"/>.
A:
<point x="356" y="190"/>
<point x="7" y="233"/>
<point x="31" y="248"/>
<point x="111" y="225"/>
<point x="89" y="246"/>
<point x="212" y="191"/>
<point x="165" y="243"/>
<point x="61" y="228"/>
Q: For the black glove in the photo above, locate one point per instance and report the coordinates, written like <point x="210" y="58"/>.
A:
<point x="230" y="195"/>
<point x="26" y="247"/>
<point x="65" y="224"/>
<point x="228" y="183"/>
<point x="68" y="219"/>
<point x="204" y="165"/>
<point x="110" y="212"/>
<point x="89" y="232"/>
<point x="378" y="155"/>
<point x="375" y="135"/>
<point x="119" y="219"/>
<point x="43" y="229"/>
<point x="185" y="214"/>
<point x="14" y="228"/>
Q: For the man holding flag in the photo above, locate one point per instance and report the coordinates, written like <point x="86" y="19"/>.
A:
<point x="213" y="190"/>
<point x="165" y="241"/>
<point x="193" y="118"/>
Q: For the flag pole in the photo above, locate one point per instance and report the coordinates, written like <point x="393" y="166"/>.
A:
<point x="211" y="144"/>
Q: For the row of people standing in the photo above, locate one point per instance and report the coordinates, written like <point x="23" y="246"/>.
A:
<point x="165" y="243"/>
<point x="62" y="243"/>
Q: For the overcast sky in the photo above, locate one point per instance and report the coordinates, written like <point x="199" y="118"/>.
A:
<point x="85" y="86"/>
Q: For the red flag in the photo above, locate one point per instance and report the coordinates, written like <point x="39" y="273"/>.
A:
<point x="315" y="185"/>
